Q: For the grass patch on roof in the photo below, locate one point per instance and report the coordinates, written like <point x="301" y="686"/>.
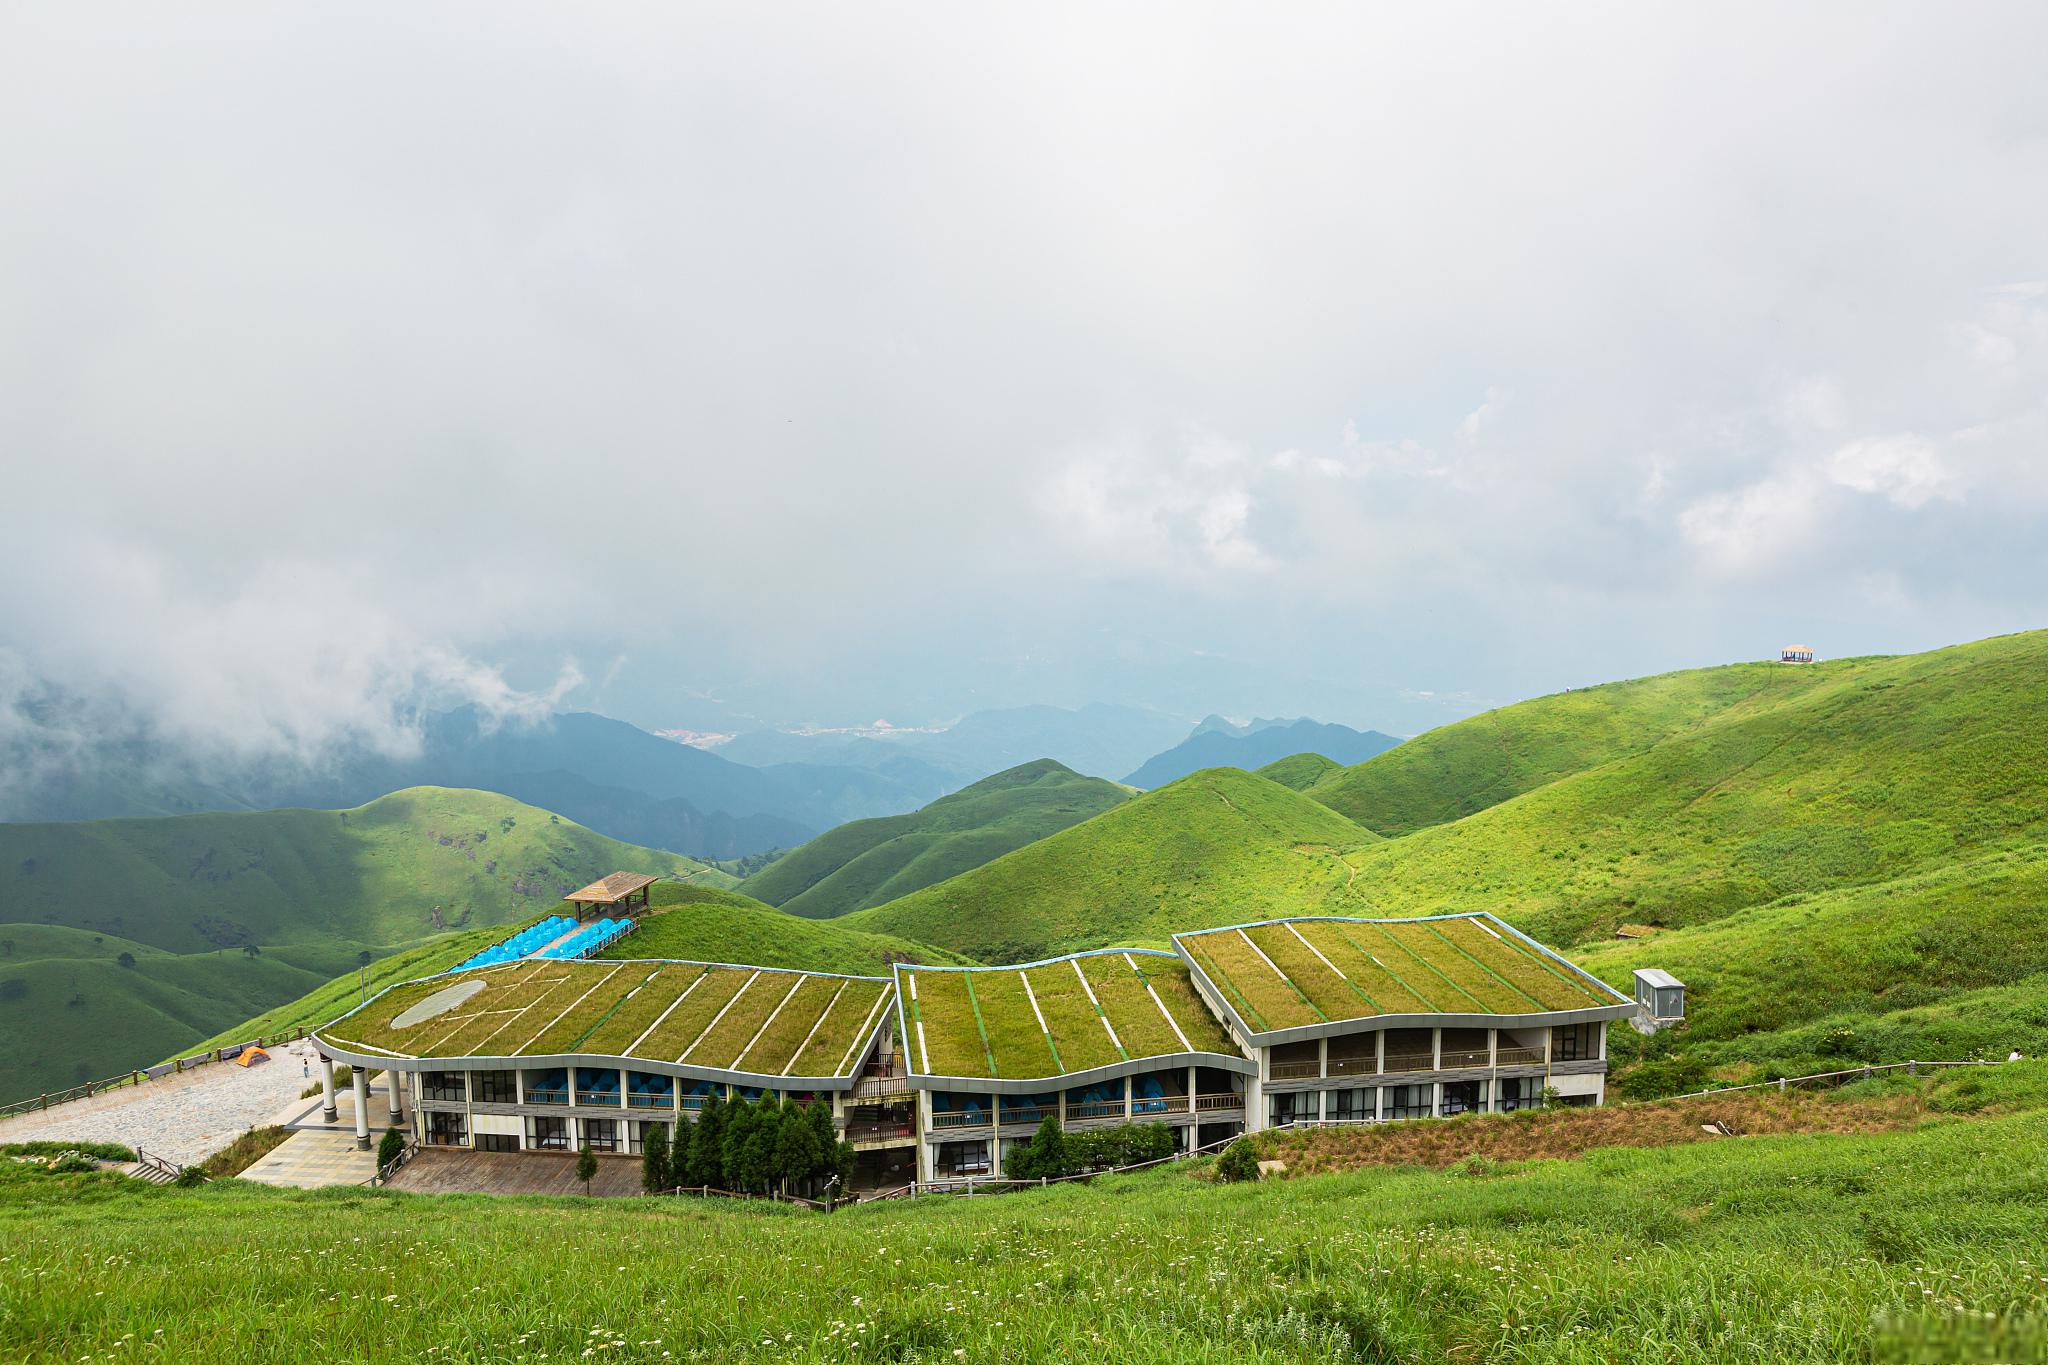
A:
<point x="776" y="1044"/>
<point x="1365" y="961"/>
<point x="607" y="994"/>
<point x="1140" y="1025"/>
<point x="693" y="1013"/>
<point x="750" y="1008"/>
<point x="844" y="1024"/>
<point x="1332" y="996"/>
<point x="1071" y="1018"/>
<point x="1175" y="986"/>
<point x="1014" y="1036"/>
<point x="644" y="1004"/>
<point x="952" y="1041"/>
<point x="1274" y="998"/>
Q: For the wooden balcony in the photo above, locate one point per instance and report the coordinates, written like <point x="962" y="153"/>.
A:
<point x="1410" y="1061"/>
<point x="635" y="1100"/>
<point x="961" y="1118"/>
<point x="1368" y="1065"/>
<point x="1464" y="1059"/>
<point x="1517" y="1056"/>
<point x="1295" y="1071"/>
<point x="1103" y="1109"/>
<point x="1229" y="1099"/>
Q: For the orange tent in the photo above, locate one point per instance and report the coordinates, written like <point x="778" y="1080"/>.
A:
<point x="249" y="1056"/>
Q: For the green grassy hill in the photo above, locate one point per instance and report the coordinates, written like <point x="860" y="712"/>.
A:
<point x="1466" y="767"/>
<point x="1213" y="848"/>
<point x="1299" y="772"/>
<point x="1850" y="774"/>
<point x="188" y="898"/>
<point x="868" y="862"/>
<point x="702" y="924"/>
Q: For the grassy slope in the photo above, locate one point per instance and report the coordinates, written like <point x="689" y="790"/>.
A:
<point x="1791" y="1248"/>
<point x="1299" y="772"/>
<point x="1859" y="773"/>
<point x="701" y="924"/>
<point x="868" y="862"/>
<point x="311" y="889"/>
<point x="1458" y="769"/>
<point x="1213" y="848"/>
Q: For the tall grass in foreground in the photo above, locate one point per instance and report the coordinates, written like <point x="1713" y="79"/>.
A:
<point x="1925" y="1245"/>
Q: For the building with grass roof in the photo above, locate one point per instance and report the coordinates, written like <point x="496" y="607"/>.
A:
<point x="934" y="1073"/>
<point x="1364" y="1020"/>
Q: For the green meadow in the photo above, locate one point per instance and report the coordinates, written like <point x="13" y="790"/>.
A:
<point x="1922" y="1244"/>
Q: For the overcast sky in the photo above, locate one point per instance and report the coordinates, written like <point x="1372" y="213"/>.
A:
<point x="818" y="365"/>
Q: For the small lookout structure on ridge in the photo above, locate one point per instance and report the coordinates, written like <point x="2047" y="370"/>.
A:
<point x="1796" y="654"/>
<point x="625" y="892"/>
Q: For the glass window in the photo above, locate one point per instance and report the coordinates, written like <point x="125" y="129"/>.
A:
<point x="1349" y="1105"/>
<point x="1460" y="1097"/>
<point x="497" y="1142"/>
<point x="1575" y="1043"/>
<point x="445" y="1129"/>
<point x="1297" y="1106"/>
<point x="963" y="1158"/>
<point x="547" y="1134"/>
<point x="601" y="1135"/>
<point x="443" y="1085"/>
<point x="1408" y="1101"/>
<point x="495" y="1087"/>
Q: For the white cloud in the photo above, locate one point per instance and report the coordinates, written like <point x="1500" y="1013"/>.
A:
<point x="1906" y="470"/>
<point x="1756" y="527"/>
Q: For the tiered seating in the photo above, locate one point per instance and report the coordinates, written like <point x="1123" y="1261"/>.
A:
<point x="646" y="1091"/>
<point x="590" y="939"/>
<point x="521" y="944"/>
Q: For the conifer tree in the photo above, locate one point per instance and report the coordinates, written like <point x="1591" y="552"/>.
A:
<point x="654" y="1160"/>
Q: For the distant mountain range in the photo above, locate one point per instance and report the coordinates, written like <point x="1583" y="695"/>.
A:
<point x="1217" y="743"/>
<point x="613" y="777"/>
<point x="1098" y="740"/>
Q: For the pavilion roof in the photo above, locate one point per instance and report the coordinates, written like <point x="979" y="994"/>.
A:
<point x="611" y="890"/>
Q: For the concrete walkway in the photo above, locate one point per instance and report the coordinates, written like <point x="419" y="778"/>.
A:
<point x="308" y="1160"/>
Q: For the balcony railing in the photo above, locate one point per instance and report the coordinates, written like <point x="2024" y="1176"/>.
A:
<point x="1458" y="1059"/>
<point x="1096" y="1109"/>
<point x="1032" y="1114"/>
<point x="1410" y="1061"/>
<point x="1229" y="1099"/>
<point x="1354" y="1066"/>
<point x="692" y="1103"/>
<point x="1290" y="1071"/>
<point x="639" y="1101"/>
<point x="1518" y="1056"/>
<point x="547" y="1096"/>
<point x="961" y="1118"/>
<point x="1160" y="1104"/>
<point x="870" y="1132"/>
<point x="598" y="1098"/>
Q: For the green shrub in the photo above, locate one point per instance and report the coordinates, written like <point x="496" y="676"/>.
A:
<point x="655" y="1173"/>
<point x="1238" y="1162"/>
<point x="389" y="1147"/>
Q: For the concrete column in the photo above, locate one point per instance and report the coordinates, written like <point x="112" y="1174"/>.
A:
<point x="1063" y="1108"/>
<point x="924" y="1132"/>
<point x="1192" y="1115"/>
<point x="1493" y="1047"/>
<point x="328" y="1112"/>
<point x="1603" y="1040"/>
<point x="1255" y="1095"/>
<point x="361" y="1082"/>
<point x="1436" y="1099"/>
<point x="1128" y="1088"/>
<point x="1323" y="1057"/>
<point x="1379" y="1054"/>
<point x="394" y="1086"/>
<point x="1436" y="1049"/>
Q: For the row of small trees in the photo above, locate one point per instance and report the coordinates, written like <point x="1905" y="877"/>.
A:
<point x="1053" y="1153"/>
<point x="763" y="1147"/>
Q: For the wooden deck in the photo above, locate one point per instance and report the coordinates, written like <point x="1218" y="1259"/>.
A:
<point x="457" y="1170"/>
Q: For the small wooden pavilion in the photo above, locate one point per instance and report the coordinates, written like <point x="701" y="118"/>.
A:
<point x="622" y="892"/>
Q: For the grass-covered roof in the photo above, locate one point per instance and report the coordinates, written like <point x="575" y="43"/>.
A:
<point x="1056" y="1018"/>
<point x="1294" y="973"/>
<point x="757" y="1021"/>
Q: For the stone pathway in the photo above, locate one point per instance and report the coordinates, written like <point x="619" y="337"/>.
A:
<point x="184" y="1117"/>
<point x="315" y="1157"/>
